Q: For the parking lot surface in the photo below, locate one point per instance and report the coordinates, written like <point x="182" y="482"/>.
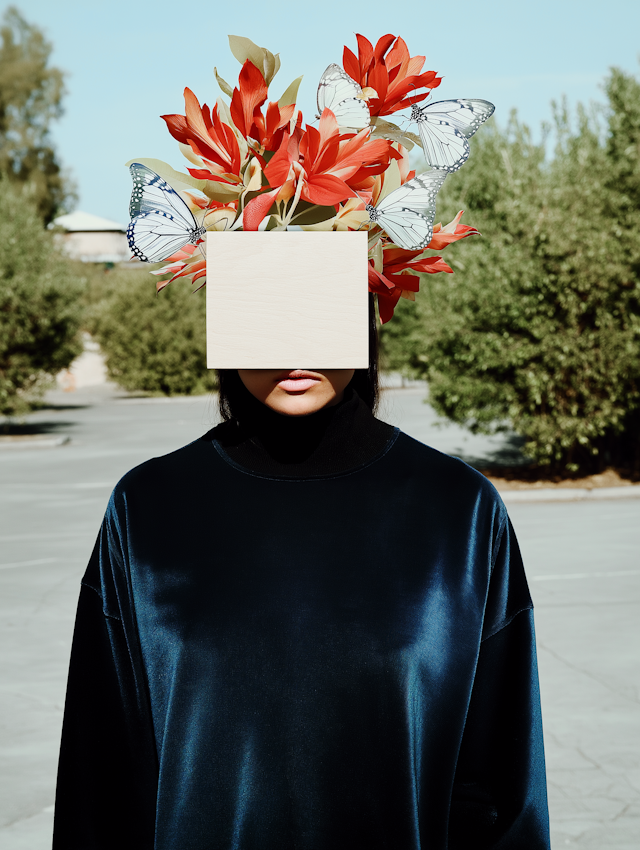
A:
<point x="582" y="559"/>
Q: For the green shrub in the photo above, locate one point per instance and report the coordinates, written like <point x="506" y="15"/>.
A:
<point x="539" y="327"/>
<point x="40" y="304"/>
<point x="152" y="342"/>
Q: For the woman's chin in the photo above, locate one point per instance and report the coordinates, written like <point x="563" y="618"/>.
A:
<point x="299" y="402"/>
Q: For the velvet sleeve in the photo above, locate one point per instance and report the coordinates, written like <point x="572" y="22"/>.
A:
<point x="107" y="773"/>
<point x="500" y="795"/>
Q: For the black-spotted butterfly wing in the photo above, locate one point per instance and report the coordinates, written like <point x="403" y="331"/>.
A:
<point x="339" y="93"/>
<point x="445" y="128"/>
<point x="407" y="213"/>
<point x="161" y="223"/>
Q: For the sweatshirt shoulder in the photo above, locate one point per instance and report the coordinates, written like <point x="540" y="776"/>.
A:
<point x="444" y="469"/>
<point x="166" y="470"/>
<point x="448" y="485"/>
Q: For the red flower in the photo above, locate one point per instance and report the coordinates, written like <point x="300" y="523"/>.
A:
<point x="395" y="77"/>
<point x="209" y="138"/>
<point x="270" y="129"/>
<point x="248" y="97"/>
<point x="323" y="165"/>
<point x="396" y="280"/>
<point x="443" y="236"/>
<point x="247" y="115"/>
<point x="182" y="264"/>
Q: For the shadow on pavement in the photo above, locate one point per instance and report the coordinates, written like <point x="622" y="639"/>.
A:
<point x="24" y="429"/>
<point x="508" y="456"/>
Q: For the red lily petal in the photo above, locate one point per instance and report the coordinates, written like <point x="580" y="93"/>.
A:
<point x="432" y="265"/>
<point x="452" y="232"/>
<point x="327" y="126"/>
<point x="277" y="169"/>
<point x="377" y="281"/>
<point x="252" y="93"/>
<point x="387" y="304"/>
<point x="257" y="208"/>
<point x="379" y="80"/>
<point x="350" y="64"/>
<point x="326" y="190"/>
<point x="177" y="126"/>
<point x="395" y="104"/>
<point x="205" y="174"/>
<point x="398" y="54"/>
<point x="376" y="149"/>
<point x="310" y="144"/>
<point x="193" y="114"/>
<point x="365" y="54"/>
<point x="384" y="43"/>
<point x="410" y="282"/>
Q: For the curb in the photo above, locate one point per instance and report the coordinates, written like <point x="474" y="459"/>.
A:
<point x="570" y="494"/>
<point x="33" y="443"/>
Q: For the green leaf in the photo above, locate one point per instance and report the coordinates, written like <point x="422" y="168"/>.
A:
<point x="307" y="213"/>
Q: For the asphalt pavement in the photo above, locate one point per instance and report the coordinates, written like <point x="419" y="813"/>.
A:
<point x="582" y="558"/>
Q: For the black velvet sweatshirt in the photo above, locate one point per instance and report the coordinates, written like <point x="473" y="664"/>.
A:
<point x="303" y="634"/>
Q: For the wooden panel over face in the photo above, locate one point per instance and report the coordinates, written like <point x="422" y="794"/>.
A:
<point x="290" y="300"/>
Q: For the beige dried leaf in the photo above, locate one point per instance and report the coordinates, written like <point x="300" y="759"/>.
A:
<point x="265" y="61"/>
<point x="291" y="93"/>
<point x="174" y="178"/>
<point x="387" y="130"/>
<point x="224" y="85"/>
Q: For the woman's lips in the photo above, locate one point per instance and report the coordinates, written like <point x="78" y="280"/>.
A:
<point x="297" y="382"/>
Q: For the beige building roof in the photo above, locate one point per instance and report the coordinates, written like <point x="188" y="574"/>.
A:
<point x="92" y="239"/>
<point x="84" y="222"/>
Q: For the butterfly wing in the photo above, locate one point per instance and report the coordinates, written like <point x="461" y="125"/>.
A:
<point x="444" y="147"/>
<point x="465" y="116"/>
<point x="407" y="213"/>
<point x="445" y="128"/>
<point x="339" y="93"/>
<point x="407" y="228"/>
<point x="155" y="235"/>
<point x="161" y="223"/>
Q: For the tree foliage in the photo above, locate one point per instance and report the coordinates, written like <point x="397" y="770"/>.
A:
<point x="153" y="343"/>
<point x="40" y="303"/>
<point x="31" y="94"/>
<point x="539" y="328"/>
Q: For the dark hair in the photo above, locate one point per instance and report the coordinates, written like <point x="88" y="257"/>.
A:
<point x="235" y="401"/>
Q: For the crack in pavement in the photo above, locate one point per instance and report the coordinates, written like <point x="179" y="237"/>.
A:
<point x="589" y="675"/>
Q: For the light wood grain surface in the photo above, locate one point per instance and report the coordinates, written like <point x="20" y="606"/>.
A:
<point x="291" y="300"/>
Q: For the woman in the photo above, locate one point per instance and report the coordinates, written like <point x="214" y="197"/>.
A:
<point x="303" y="630"/>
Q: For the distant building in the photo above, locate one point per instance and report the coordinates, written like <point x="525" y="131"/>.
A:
<point x="92" y="239"/>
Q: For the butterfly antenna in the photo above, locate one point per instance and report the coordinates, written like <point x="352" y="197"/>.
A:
<point x="413" y="85"/>
<point x="416" y="91"/>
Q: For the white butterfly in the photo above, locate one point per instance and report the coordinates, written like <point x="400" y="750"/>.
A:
<point x="161" y="223"/>
<point x="339" y="93"/>
<point x="407" y="213"/>
<point x="445" y="128"/>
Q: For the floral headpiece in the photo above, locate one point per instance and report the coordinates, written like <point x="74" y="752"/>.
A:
<point x="256" y="166"/>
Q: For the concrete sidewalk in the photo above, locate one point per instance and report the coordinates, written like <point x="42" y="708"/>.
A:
<point x="583" y="562"/>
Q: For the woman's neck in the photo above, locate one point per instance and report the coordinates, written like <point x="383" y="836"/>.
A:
<point x="330" y="441"/>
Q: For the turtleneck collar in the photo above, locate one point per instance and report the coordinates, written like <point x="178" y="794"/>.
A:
<point x="331" y="441"/>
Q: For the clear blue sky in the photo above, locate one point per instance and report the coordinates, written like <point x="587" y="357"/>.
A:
<point x="128" y="62"/>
